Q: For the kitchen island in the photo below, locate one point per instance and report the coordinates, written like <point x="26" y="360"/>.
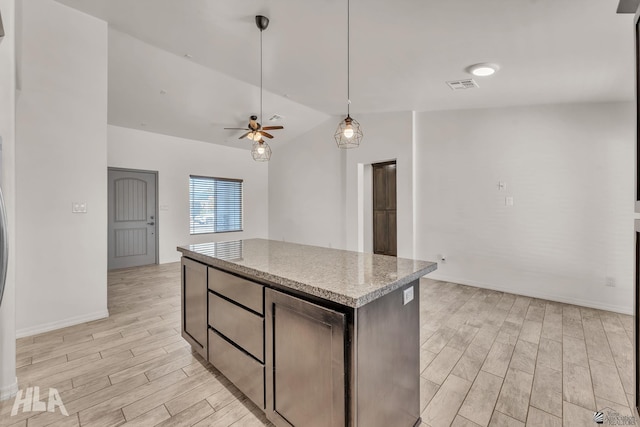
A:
<point x="313" y="336"/>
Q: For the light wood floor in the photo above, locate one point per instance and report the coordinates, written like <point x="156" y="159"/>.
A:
<point x="488" y="358"/>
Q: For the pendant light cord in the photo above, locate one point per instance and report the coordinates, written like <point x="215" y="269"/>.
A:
<point x="261" y="76"/>
<point x="348" y="58"/>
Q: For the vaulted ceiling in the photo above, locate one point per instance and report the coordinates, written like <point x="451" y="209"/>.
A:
<point x="205" y="56"/>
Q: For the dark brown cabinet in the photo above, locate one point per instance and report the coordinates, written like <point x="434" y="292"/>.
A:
<point x="303" y="360"/>
<point x="384" y="209"/>
<point x="305" y="352"/>
<point x="194" y="305"/>
<point x="236" y="331"/>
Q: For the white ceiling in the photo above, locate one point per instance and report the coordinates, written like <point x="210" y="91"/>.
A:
<point x="402" y="52"/>
<point x="199" y="102"/>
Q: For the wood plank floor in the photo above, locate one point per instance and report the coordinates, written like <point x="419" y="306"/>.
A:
<point x="487" y="358"/>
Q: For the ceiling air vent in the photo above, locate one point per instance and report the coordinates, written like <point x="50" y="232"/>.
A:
<point x="463" y="84"/>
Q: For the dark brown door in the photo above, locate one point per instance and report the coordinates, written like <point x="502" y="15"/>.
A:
<point x="384" y="209"/>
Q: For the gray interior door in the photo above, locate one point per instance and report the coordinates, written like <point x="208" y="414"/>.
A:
<point x="132" y="218"/>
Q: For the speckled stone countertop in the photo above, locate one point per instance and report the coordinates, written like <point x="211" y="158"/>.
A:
<point x="349" y="278"/>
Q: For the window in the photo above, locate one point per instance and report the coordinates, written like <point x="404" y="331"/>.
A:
<point x="215" y="205"/>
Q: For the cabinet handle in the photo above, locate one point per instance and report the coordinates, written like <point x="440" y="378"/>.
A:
<point x="4" y="245"/>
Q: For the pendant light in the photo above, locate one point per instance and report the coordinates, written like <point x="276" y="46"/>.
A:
<point x="261" y="152"/>
<point x="349" y="133"/>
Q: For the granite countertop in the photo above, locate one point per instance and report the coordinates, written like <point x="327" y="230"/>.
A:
<point x="345" y="277"/>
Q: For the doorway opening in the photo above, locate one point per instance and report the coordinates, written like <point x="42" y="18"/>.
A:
<point x="385" y="237"/>
<point x="132" y="218"/>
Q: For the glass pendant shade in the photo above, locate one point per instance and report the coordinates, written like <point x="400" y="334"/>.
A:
<point x="261" y="152"/>
<point x="255" y="136"/>
<point x="348" y="134"/>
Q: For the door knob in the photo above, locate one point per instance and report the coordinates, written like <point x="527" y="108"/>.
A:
<point x="151" y="223"/>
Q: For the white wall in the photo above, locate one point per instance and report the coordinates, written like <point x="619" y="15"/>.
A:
<point x="570" y="170"/>
<point x="318" y="193"/>
<point x="175" y="159"/>
<point x="61" y="157"/>
<point x="306" y="189"/>
<point x="8" y="380"/>
<point x="387" y="136"/>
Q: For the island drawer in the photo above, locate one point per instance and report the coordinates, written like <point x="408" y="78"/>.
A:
<point x="243" y="371"/>
<point x="241" y="326"/>
<point x="242" y="291"/>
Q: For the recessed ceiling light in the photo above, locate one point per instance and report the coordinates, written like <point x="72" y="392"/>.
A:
<point x="483" y="70"/>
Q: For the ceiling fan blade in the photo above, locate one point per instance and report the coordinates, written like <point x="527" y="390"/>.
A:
<point x="272" y="127"/>
<point x="268" y="135"/>
<point x="237" y="129"/>
<point x="245" y="135"/>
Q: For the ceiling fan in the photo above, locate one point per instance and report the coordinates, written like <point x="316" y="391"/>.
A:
<point x="255" y="131"/>
<point x="261" y="152"/>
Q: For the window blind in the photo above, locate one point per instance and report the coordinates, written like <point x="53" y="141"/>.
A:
<point x="215" y="205"/>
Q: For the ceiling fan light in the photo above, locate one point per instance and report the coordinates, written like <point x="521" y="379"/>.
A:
<point x="254" y="136"/>
<point x="261" y="152"/>
<point x="348" y="134"/>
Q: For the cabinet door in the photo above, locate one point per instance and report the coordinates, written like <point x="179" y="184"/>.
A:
<point x="194" y="305"/>
<point x="305" y="347"/>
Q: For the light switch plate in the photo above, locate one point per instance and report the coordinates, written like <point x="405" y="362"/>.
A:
<point x="407" y="295"/>
<point x="508" y="201"/>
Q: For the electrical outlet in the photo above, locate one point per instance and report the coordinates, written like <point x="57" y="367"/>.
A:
<point x="407" y="295"/>
<point x="610" y="282"/>
<point x="79" y="207"/>
<point x="508" y="201"/>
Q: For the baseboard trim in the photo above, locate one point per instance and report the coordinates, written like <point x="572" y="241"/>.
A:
<point x="8" y="391"/>
<point x="71" y="321"/>
<point x="540" y="295"/>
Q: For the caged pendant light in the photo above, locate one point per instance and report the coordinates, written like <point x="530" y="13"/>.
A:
<point x="348" y="134"/>
<point x="261" y="152"/>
